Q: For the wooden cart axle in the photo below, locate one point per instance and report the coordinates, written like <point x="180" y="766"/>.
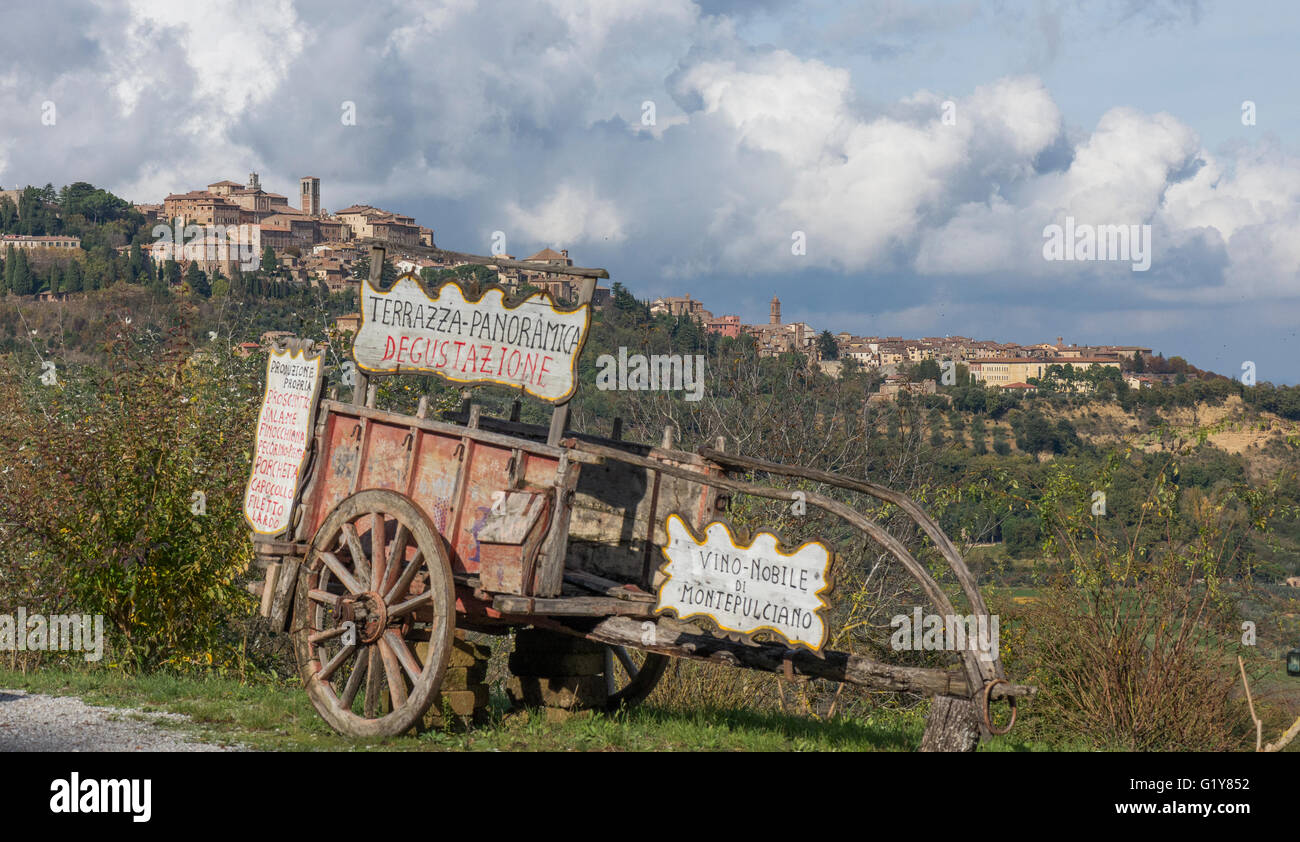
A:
<point x="688" y="640"/>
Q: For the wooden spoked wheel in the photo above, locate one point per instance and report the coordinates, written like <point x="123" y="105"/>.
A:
<point x="377" y="584"/>
<point x="630" y="675"/>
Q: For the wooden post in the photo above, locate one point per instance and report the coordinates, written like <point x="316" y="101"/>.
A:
<point x="559" y="420"/>
<point x="560" y="415"/>
<point x="953" y="724"/>
<point x="648" y="550"/>
<point x="548" y="574"/>
<point x="268" y="588"/>
<point x="361" y="395"/>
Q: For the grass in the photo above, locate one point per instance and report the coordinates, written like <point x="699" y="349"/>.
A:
<point x="279" y="717"/>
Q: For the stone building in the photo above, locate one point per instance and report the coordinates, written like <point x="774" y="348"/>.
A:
<point x="366" y="221"/>
<point x="728" y="326"/>
<point x="62" y="242"/>
<point x="681" y="306"/>
<point x="776" y="337"/>
<point x="199" y="207"/>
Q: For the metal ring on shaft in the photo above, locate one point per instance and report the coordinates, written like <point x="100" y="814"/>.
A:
<point x="988" y="722"/>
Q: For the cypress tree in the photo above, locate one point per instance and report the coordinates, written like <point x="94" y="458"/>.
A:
<point x="136" y="261"/>
<point x="72" y="281"/>
<point x="7" y="279"/>
<point x="197" y="280"/>
<point x="22" y="282"/>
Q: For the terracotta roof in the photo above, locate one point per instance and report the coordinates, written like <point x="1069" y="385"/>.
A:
<point x="195" y="194"/>
<point x="283" y="219"/>
<point x="37" y="238"/>
<point x="1046" y="360"/>
<point x="547" y="254"/>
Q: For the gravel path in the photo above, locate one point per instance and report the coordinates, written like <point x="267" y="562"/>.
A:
<point x="65" y="723"/>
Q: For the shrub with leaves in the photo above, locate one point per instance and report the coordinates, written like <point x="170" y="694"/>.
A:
<point x="121" y="495"/>
<point x="1133" y="640"/>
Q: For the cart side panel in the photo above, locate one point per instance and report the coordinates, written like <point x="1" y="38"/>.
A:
<point x="388" y="452"/>
<point x="433" y="486"/>
<point x="486" y="474"/>
<point x="336" y="467"/>
<point x="614" y="511"/>
<point x="362" y="454"/>
<point x="359" y="454"/>
<point x="539" y="471"/>
<point x="603" y="526"/>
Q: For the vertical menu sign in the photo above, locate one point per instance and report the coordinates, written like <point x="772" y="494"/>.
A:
<point x="293" y="379"/>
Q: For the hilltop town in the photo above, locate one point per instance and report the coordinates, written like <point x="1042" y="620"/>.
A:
<point x="311" y="245"/>
<point x="1005" y="365"/>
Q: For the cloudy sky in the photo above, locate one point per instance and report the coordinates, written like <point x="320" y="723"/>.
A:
<point x="919" y="150"/>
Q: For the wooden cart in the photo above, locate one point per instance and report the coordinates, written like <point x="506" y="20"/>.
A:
<point x="406" y="528"/>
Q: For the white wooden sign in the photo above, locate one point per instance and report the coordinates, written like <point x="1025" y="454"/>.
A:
<point x="532" y="345"/>
<point x="745" y="589"/>
<point x="293" y="378"/>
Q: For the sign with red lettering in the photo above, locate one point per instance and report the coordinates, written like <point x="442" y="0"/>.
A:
<point x="744" y="589"/>
<point x="531" y="345"/>
<point x="293" y="378"/>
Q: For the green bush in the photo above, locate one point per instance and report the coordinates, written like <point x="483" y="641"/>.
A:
<point x="1133" y="640"/>
<point x="101" y="494"/>
<point x="1021" y="535"/>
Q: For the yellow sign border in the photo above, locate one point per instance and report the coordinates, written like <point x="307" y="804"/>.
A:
<point x="731" y="538"/>
<point x="543" y="295"/>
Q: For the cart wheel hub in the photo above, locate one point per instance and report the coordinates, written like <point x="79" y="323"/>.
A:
<point x="370" y="614"/>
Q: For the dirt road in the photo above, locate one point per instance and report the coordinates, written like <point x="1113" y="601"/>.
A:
<point x="34" y="722"/>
